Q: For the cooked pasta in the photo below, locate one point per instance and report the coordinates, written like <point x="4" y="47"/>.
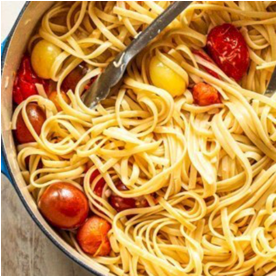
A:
<point x="207" y="173"/>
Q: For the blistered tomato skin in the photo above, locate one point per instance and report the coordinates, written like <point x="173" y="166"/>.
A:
<point x="205" y="95"/>
<point x="43" y="57"/>
<point x="92" y="237"/>
<point x="228" y="48"/>
<point x="64" y="206"/>
<point x="25" y="80"/>
<point x="36" y="117"/>
<point x="120" y="204"/>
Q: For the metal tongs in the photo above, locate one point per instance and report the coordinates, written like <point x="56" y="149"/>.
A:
<point x="110" y="80"/>
<point x="271" y="88"/>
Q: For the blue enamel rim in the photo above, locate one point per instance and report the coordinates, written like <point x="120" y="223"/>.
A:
<point x="6" y="170"/>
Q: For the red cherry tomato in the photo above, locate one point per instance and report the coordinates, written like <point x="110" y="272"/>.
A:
<point x="228" y="49"/>
<point x="74" y="77"/>
<point x="92" y="237"/>
<point x="117" y="202"/>
<point x="98" y="189"/>
<point x="64" y="206"/>
<point x="25" y="80"/>
<point x="205" y="95"/>
<point x="204" y="56"/>
<point x="94" y="175"/>
<point x="120" y="204"/>
<point x="37" y="118"/>
<point x="100" y="184"/>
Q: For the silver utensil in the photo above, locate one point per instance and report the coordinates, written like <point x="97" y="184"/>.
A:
<point x="271" y="88"/>
<point x="110" y="80"/>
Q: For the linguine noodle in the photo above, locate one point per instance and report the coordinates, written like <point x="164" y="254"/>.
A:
<point x="208" y="173"/>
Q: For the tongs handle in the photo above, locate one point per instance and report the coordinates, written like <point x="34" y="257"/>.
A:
<point x="114" y="72"/>
<point x="159" y="24"/>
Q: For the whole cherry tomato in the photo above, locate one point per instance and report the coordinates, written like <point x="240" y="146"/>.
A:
<point x="92" y="237"/>
<point x="204" y="56"/>
<point x="205" y="95"/>
<point x="98" y="189"/>
<point x="117" y="202"/>
<point x="120" y="204"/>
<point x="64" y="206"/>
<point x="43" y="57"/>
<point x="74" y="77"/>
<point x="25" y="80"/>
<point x="36" y="116"/>
<point x="228" y="48"/>
<point x="162" y="76"/>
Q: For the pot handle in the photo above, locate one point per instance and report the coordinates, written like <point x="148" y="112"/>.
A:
<point x="4" y="168"/>
<point x="3" y="43"/>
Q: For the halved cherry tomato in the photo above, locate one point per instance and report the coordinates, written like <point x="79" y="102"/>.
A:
<point x="74" y="77"/>
<point x="92" y="237"/>
<point x="25" y="80"/>
<point x="53" y="96"/>
<point x="204" y="56"/>
<point x="64" y="206"/>
<point x="228" y="48"/>
<point x="205" y="95"/>
<point x="36" y="116"/>
<point x="120" y="204"/>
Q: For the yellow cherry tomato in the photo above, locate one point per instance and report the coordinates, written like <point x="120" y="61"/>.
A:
<point x="43" y="57"/>
<point x="164" y="77"/>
